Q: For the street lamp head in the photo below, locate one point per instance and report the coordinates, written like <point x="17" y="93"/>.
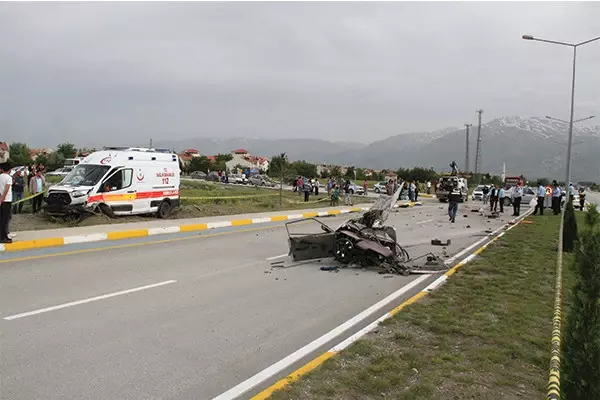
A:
<point x="528" y="37"/>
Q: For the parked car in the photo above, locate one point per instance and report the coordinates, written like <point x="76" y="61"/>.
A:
<point x="478" y="192"/>
<point x="379" y="187"/>
<point x="529" y="194"/>
<point x="355" y="189"/>
<point x="238" y="179"/>
<point x="198" y="175"/>
<point x="261" y="180"/>
<point x="64" y="171"/>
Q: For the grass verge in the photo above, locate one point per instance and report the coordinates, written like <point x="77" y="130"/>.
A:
<point x="216" y="200"/>
<point x="485" y="334"/>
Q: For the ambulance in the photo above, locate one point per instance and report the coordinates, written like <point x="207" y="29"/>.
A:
<point x="119" y="181"/>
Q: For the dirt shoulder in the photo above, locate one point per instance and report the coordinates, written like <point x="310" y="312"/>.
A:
<point x="485" y="334"/>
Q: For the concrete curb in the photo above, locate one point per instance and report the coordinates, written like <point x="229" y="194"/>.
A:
<point x="136" y="233"/>
<point x="320" y="359"/>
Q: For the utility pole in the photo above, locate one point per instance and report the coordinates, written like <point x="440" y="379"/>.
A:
<point x="467" y="149"/>
<point x="478" y="151"/>
<point x="150" y="143"/>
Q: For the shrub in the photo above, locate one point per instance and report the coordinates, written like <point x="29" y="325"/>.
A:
<point x="570" y="228"/>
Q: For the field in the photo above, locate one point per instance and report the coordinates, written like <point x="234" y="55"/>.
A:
<point x="485" y="334"/>
<point x="199" y="199"/>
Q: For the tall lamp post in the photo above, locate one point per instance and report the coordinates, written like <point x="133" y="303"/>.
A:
<point x="574" y="122"/>
<point x="574" y="46"/>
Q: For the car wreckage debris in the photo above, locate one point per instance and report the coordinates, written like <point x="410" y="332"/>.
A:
<point x="438" y="242"/>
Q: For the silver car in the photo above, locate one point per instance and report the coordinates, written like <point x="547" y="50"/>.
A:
<point x="528" y="195"/>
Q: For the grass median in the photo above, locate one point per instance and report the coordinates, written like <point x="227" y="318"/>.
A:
<point x="485" y="334"/>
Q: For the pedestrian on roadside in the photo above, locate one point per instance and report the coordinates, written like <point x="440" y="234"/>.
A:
<point x="348" y="194"/>
<point x="389" y="187"/>
<point x="5" y="202"/>
<point x="335" y="195"/>
<point x="416" y="191"/>
<point x="571" y="192"/>
<point x="541" y="196"/>
<point x="307" y="189"/>
<point x="317" y="187"/>
<point x="366" y="187"/>
<point x="494" y="192"/>
<point x="556" y="195"/>
<point x="486" y="194"/>
<point x="428" y="187"/>
<point x="581" y="198"/>
<point x="411" y="191"/>
<point x="501" y="195"/>
<point x="36" y="189"/>
<point x="517" y="195"/>
<point x="18" y="192"/>
<point x="299" y="185"/>
<point x="453" y="199"/>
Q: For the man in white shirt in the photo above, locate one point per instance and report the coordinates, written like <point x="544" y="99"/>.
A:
<point x="541" y="196"/>
<point x="556" y="195"/>
<point x="5" y="202"/>
<point x="517" y="195"/>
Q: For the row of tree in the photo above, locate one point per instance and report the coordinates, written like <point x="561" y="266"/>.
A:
<point x="20" y="155"/>
<point x="206" y="165"/>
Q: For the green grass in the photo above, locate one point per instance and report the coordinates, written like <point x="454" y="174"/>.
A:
<point x="485" y="334"/>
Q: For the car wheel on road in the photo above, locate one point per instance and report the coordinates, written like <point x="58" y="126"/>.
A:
<point x="343" y="250"/>
<point x="377" y="190"/>
<point x="164" y="210"/>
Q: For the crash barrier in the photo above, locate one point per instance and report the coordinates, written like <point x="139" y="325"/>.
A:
<point x="136" y="233"/>
<point x="554" y="375"/>
<point x="314" y="363"/>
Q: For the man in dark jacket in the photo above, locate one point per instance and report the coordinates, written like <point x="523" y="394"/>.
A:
<point x="453" y="200"/>
<point x="18" y="189"/>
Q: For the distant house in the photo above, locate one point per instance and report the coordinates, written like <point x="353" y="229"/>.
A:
<point x="4" y="153"/>
<point x="243" y="158"/>
<point x="187" y="155"/>
<point x="35" y="153"/>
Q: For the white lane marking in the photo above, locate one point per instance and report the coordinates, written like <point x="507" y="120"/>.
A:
<point x="98" y="237"/>
<point x="279" y="366"/>
<point x="161" y="231"/>
<point x="424" y="222"/>
<point x="276" y="257"/>
<point x="341" y="346"/>
<point x="322" y="213"/>
<point x="435" y="283"/>
<point x="295" y="216"/>
<point x="88" y="300"/>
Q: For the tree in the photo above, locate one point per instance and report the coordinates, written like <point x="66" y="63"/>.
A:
<point x="336" y="172"/>
<point x="201" y="163"/>
<point x="570" y="228"/>
<point x="360" y="174"/>
<point x="350" y="173"/>
<point x="581" y="348"/>
<point x="66" y="150"/>
<point x="280" y="168"/>
<point x="220" y="163"/>
<point x="304" y="168"/>
<point x="20" y="155"/>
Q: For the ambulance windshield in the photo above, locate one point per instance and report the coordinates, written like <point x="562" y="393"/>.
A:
<point x="85" y="175"/>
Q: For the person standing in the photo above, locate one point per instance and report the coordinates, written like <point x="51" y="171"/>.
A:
<point x="416" y="190"/>
<point x="36" y="188"/>
<point x="556" y="195"/>
<point x="501" y="195"/>
<point x="453" y="200"/>
<point x="486" y="194"/>
<point x="18" y="190"/>
<point x="317" y="187"/>
<point x="428" y="187"/>
<point x="581" y="198"/>
<point x="366" y="187"/>
<point x="494" y="198"/>
<point x="411" y="191"/>
<point x="5" y="202"/>
<point x="516" y="200"/>
<point x="541" y="195"/>
<point x="571" y="192"/>
<point x="348" y="194"/>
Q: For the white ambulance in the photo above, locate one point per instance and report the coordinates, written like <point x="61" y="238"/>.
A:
<point x="119" y="181"/>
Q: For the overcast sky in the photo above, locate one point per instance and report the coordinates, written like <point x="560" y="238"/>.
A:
<point x="103" y="73"/>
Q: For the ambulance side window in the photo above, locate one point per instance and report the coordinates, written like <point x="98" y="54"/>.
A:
<point x="118" y="181"/>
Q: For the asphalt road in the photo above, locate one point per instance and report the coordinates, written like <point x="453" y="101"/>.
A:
<point x="205" y="313"/>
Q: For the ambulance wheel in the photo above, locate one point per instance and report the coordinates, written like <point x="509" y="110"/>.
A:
<point x="164" y="210"/>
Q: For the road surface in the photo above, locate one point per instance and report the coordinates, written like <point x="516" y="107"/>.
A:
<point x="187" y="317"/>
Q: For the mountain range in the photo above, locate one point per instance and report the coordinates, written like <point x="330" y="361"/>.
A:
<point x="534" y="147"/>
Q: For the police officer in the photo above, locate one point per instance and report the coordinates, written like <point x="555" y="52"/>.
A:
<point x="494" y="198"/>
<point x="516" y="199"/>
<point x="556" y="195"/>
<point x="541" y="194"/>
<point x="454" y="198"/>
<point x="501" y="198"/>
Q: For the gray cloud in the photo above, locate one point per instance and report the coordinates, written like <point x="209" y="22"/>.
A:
<point x="99" y="73"/>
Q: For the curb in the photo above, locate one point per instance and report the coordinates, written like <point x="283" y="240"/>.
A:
<point x="136" y="233"/>
<point x="320" y="359"/>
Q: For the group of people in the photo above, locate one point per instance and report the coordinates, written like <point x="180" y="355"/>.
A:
<point x="557" y="194"/>
<point x="12" y="194"/>
<point x="306" y="186"/>
<point x="333" y="190"/>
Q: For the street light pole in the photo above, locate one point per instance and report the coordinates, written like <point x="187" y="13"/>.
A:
<point x="574" y="46"/>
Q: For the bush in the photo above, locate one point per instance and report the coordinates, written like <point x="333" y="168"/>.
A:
<point x="581" y="349"/>
<point x="569" y="229"/>
<point x="592" y="217"/>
